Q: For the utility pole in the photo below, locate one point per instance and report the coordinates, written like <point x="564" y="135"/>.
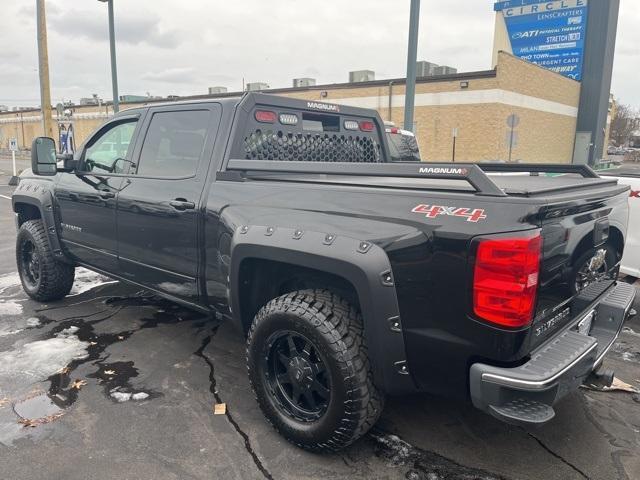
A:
<point x="43" y="66"/>
<point x="412" y="57"/>
<point x="112" y="49"/>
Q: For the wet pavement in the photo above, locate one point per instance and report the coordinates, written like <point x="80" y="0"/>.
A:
<point x="114" y="382"/>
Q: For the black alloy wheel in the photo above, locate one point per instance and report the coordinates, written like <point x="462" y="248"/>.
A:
<point x="297" y="376"/>
<point x="30" y="265"/>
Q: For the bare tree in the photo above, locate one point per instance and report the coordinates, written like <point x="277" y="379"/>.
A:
<point x="623" y="123"/>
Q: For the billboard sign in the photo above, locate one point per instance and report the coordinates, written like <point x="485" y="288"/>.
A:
<point x="550" y="34"/>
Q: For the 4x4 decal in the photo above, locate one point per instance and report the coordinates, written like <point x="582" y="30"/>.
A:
<point x="432" y="211"/>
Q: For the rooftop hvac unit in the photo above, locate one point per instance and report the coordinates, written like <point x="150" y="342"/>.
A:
<point x="304" y="82"/>
<point x="256" y="86"/>
<point x="362" y="76"/>
<point x="217" y="90"/>
<point x="445" y="70"/>
<point x="425" y="69"/>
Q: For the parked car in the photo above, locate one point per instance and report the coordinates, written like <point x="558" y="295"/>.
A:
<point x="403" y="145"/>
<point x="631" y="258"/>
<point x="351" y="276"/>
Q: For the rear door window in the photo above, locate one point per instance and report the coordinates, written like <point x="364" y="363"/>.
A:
<point x="173" y="144"/>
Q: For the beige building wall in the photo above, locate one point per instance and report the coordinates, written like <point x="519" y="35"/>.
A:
<point x="545" y="104"/>
<point x="501" y="41"/>
<point x="477" y="105"/>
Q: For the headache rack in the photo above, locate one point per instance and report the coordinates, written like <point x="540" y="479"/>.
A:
<point x="474" y="174"/>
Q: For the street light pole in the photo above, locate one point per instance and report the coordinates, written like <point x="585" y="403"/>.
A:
<point x="412" y="57"/>
<point x="112" y="48"/>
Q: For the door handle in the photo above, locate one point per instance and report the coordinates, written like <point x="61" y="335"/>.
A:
<point x="182" y="204"/>
<point x="106" y="194"/>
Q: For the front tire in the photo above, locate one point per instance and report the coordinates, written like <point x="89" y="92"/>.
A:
<point x="308" y="366"/>
<point x="43" y="277"/>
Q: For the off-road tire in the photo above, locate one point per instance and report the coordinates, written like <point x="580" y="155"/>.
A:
<point x="55" y="277"/>
<point x="335" y="328"/>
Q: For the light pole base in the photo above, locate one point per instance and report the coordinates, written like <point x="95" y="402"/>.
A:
<point x="13" y="181"/>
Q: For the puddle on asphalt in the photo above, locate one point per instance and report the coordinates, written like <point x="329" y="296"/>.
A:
<point x="37" y="410"/>
<point x="48" y="364"/>
<point x="115" y="379"/>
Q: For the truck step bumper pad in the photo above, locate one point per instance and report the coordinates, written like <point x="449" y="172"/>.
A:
<point x="525" y="394"/>
<point x="522" y="411"/>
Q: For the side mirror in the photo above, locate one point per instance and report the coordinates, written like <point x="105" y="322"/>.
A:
<point x="43" y="156"/>
<point x="68" y="162"/>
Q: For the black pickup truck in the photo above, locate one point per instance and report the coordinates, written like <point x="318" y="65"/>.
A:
<point x="351" y="276"/>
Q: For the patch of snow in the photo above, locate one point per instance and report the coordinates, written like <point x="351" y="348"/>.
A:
<point x="139" y="396"/>
<point x="9" y="284"/>
<point x="33" y="322"/>
<point x="86" y="280"/>
<point x="67" y="332"/>
<point x="630" y="356"/>
<point x="399" y="449"/>
<point x="4" y="332"/>
<point x="10" y="308"/>
<point x="36" y="361"/>
<point x="120" y="396"/>
<point x="11" y="326"/>
<point x="9" y="280"/>
<point x="630" y="331"/>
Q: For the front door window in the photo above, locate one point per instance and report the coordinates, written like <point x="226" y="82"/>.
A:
<point x="108" y="152"/>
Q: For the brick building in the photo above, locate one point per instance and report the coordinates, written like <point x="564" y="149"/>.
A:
<point x="542" y="105"/>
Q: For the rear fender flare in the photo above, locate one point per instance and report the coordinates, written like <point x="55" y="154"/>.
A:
<point x="365" y="265"/>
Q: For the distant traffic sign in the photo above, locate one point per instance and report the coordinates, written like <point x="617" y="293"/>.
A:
<point x="13" y="144"/>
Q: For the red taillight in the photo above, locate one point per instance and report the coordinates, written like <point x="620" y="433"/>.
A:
<point x="505" y="279"/>
<point x="265" y="116"/>
<point x="367" y="126"/>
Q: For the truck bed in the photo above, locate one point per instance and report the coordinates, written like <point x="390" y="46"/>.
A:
<point x="513" y="185"/>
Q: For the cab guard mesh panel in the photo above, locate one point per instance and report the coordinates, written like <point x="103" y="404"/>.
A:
<point x="311" y="147"/>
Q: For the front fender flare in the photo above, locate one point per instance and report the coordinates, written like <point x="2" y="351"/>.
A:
<point x="365" y="265"/>
<point x="39" y="196"/>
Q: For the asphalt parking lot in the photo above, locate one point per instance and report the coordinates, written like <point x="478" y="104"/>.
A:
<point x="113" y="382"/>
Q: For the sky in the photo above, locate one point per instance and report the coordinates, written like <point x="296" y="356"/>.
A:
<point x="169" y="47"/>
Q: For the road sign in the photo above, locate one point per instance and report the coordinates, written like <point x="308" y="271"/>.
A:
<point x="13" y="146"/>
<point x="513" y="120"/>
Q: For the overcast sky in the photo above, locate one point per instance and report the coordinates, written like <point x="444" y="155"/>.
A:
<point x="169" y="47"/>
